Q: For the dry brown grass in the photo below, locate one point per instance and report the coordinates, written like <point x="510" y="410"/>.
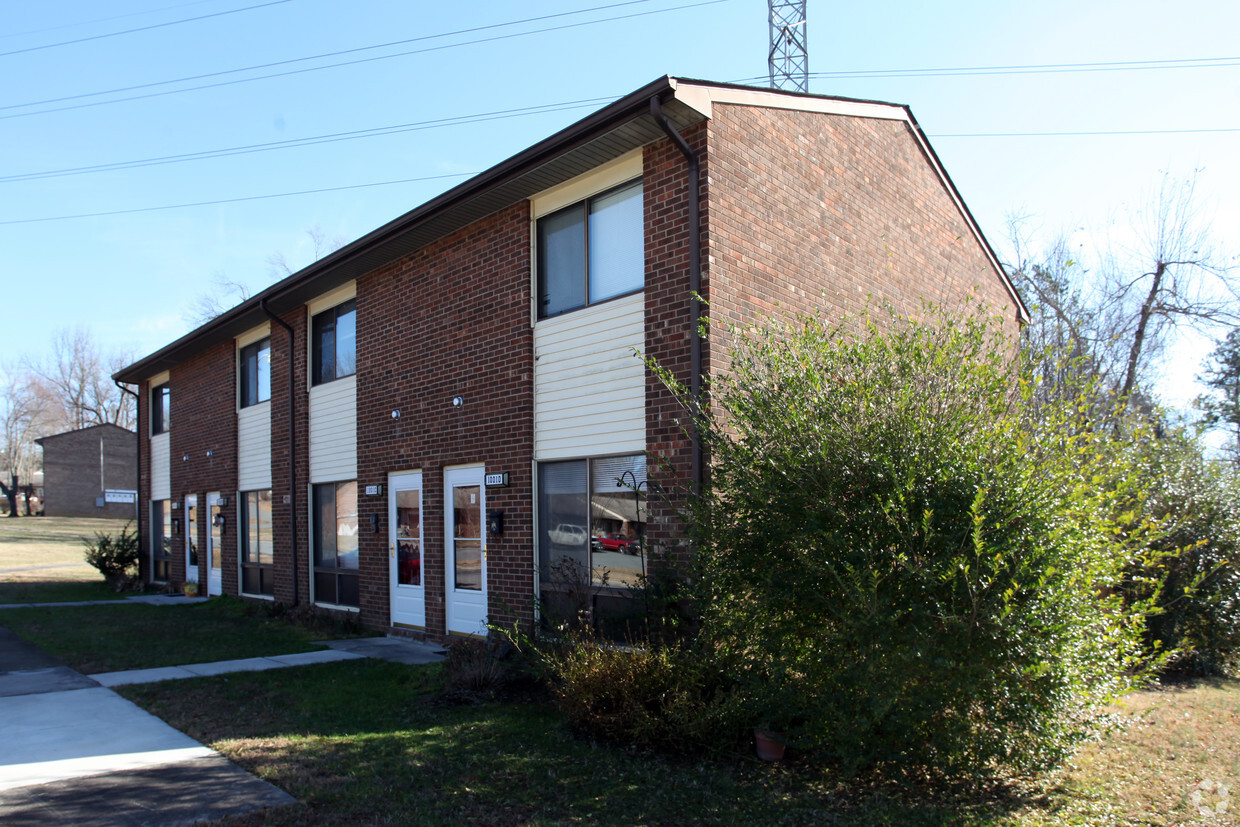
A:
<point x="49" y="548"/>
<point x="1179" y="740"/>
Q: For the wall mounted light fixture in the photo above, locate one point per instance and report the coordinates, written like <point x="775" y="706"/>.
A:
<point x="458" y="401"/>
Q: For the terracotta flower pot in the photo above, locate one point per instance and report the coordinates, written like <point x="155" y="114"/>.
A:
<point x="191" y="589"/>
<point x="770" y="745"/>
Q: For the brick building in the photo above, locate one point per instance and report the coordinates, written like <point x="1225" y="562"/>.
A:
<point x="80" y="467"/>
<point x="446" y="417"/>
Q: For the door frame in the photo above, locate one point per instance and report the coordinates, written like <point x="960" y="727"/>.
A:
<point x="411" y="598"/>
<point x="465" y="610"/>
<point x="191" y="536"/>
<point x="215" y="577"/>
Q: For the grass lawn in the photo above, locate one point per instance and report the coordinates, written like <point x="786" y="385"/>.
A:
<point x="373" y="742"/>
<point x="135" y="636"/>
<point x="41" y="559"/>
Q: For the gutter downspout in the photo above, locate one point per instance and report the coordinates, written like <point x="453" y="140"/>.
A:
<point x="137" y="483"/>
<point x="292" y="441"/>
<point x="695" y="276"/>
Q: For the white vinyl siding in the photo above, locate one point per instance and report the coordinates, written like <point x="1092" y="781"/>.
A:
<point x="254" y="447"/>
<point x="333" y="430"/>
<point x="589" y="387"/>
<point x="161" y="467"/>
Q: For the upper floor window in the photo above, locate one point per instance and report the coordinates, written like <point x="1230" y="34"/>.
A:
<point x="335" y="342"/>
<point x="591" y="251"/>
<point x="256" y="373"/>
<point x="161" y="408"/>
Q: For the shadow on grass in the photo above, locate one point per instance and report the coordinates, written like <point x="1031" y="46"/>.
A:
<point x="56" y="591"/>
<point x="110" y="638"/>
<point x="368" y="741"/>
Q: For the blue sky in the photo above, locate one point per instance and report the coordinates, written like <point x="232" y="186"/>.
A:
<point x="132" y="277"/>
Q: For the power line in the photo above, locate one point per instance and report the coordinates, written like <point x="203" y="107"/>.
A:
<point x="108" y="19"/>
<point x="312" y="140"/>
<point x="232" y="200"/>
<point x="141" y="29"/>
<point x="292" y="61"/>
<point x="1082" y="134"/>
<point x="1022" y="69"/>
<point x="45" y="219"/>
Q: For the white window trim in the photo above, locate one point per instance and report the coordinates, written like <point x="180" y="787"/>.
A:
<point x="627" y="167"/>
<point x="612" y="174"/>
<point x="313" y="308"/>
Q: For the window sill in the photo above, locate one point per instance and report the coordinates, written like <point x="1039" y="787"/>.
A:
<point x="336" y="607"/>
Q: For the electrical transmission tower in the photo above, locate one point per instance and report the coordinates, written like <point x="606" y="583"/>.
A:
<point x="789" y="56"/>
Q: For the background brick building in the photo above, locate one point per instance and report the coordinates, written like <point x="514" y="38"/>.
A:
<point x="80" y="466"/>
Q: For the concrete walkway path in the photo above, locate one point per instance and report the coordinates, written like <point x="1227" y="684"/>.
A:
<point x="72" y="751"/>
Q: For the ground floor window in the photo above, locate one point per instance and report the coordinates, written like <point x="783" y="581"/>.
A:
<point x="592" y="522"/>
<point x="161" y="539"/>
<point x="257" y="553"/>
<point x="335" y="544"/>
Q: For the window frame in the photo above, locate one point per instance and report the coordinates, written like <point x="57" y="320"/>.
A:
<point x="317" y="322"/>
<point x="249" y="374"/>
<point x="320" y="572"/>
<point x="161" y="541"/>
<point x="265" y="572"/>
<point x="584" y="206"/>
<point x="594" y="544"/>
<point x="161" y="408"/>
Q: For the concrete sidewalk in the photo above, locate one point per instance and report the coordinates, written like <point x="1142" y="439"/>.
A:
<point x="75" y="752"/>
<point x="394" y="649"/>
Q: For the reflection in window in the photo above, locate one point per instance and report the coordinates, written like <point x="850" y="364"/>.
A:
<point x="161" y="409"/>
<point x="191" y="534"/>
<point x="591" y="251"/>
<point x="592" y="521"/>
<point x="335" y="343"/>
<point x="467" y="536"/>
<point x="409" y="538"/>
<point x="161" y="539"/>
<point x="257" y="547"/>
<point x="256" y="373"/>
<point x="336" y="544"/>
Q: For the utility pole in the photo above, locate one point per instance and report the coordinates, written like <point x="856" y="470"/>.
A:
<point x="789" y="55"/>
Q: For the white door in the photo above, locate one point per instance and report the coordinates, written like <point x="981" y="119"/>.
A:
<point x="405" y="560"/>
<point x="191" y="538"/>
<point x="465" y="549"/>
<point x="216" y="525"/>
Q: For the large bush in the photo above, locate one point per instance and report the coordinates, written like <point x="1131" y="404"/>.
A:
<point x="1193" y="571"/>
<point x="896" y="566"/>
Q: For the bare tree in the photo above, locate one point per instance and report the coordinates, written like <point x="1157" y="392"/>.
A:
<point x="1180" y="279"/>
<point x="27" y="410"/>
<point x="229" y="292"/>
<point x="1112" y="325"/>
<point x="76" y="378"/>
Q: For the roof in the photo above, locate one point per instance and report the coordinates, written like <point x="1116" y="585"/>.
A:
<point x="608" y="133"/>
<point x="107" y="425"/>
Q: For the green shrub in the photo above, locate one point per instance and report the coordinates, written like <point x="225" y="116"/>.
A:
<point x="116" y="558"/>
<point x="898" y="568"/>
<point x="1194" y="572"/>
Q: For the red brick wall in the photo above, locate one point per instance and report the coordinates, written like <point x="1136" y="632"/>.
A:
<point x="204" y="419"/>
<point x="666" y="192"/>
<point x="292" y="567"/>
<point x="450" y="320"/>
<point x="144" y="481"/>
<point x="823" y="211"/>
